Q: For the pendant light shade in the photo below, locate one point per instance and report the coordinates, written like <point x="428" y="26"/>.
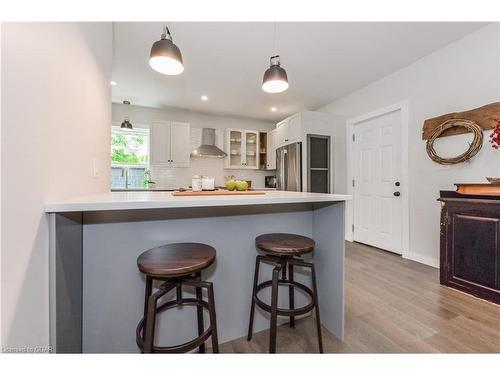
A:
<point x="275" y="79"/>
<point x="126" y="124"/>
<point x="165" y="56"/>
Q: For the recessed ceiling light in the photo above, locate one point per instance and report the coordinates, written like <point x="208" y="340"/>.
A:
<point x="204" y="98"/>
<point x="112" y="83"/>
<point x="274" y="109"/>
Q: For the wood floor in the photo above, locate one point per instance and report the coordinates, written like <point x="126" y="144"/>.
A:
<point x="393" y="305"/>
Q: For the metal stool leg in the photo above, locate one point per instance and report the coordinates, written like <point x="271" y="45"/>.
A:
<point x="149" y="336"/>
<point x="254" y="290"/>
<point x="149" y="289"/>
<point x="316" y="307"/>
<point x="199" y="312"/>
<point x="291" y="294"/>
<point x="213" y="319"/>
<point x="274" y="306"/>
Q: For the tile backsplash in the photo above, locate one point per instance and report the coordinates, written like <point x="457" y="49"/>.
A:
<point x="171" y="178"/>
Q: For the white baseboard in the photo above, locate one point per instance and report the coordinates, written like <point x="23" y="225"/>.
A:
<point x="423" y="259"/>
<point x="415" y="257"/>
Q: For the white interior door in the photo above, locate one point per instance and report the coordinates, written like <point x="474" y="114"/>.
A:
<point x="377" y="182"/>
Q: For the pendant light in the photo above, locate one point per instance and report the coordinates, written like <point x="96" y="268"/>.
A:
<point x="165" y="56"/>
<point x="275" y="79"/>
<point x="126" y="124"/>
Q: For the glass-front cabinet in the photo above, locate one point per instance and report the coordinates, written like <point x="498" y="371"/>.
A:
<point x="251" y="149"/>
<point x="242" y="149"/>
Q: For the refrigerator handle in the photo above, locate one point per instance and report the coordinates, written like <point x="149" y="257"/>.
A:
<point x="278" y="170"/>
<point x="285" y="169"/>
<point x="282" y="169"/>
<point x="298" y="166"/>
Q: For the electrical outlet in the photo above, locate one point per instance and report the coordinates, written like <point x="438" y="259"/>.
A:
<point x="96" y="169"/>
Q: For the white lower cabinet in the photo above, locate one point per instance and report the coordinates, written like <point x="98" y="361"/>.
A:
<point x="242" y="148"/>
<point x="170" y="144"/>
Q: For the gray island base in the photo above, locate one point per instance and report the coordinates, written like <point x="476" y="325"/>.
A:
<point x="97" y="292"/>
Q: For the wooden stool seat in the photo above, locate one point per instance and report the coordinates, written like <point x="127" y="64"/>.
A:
<point x="175" y="260"/>
<point x="285" y="244"/>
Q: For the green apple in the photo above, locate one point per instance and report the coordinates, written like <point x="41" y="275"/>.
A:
<point x="230" y="185"/>
<point x="241" y="185"/>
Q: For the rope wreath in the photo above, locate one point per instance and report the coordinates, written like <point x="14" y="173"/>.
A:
<point x="474" y="147"/>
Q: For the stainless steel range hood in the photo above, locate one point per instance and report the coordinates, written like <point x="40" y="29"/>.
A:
<point x="208" y="149"/>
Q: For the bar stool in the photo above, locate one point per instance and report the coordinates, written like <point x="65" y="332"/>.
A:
<point x="177" y="265"/>
<point x="282" y="250"/>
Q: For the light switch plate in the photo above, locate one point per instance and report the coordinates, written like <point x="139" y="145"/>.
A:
<point x="96" y="170"/>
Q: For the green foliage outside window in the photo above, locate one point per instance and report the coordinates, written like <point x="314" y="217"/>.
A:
<point x="129" y="149"/>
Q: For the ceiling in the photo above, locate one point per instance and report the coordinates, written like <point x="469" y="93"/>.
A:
<point x="226" y="62"/>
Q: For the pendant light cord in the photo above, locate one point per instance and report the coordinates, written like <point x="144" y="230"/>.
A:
<point x="166" y="32"/>
<point x="274" y="39"/>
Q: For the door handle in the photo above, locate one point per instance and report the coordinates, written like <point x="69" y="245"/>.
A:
<point x="396" y="193"/>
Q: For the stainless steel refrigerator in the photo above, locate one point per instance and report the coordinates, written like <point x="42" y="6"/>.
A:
<point x="289" y="167"/>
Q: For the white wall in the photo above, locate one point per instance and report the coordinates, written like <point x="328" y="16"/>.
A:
<point x="461" y="76"/>
<point x="181" y="177"/>
<point x="55" y="121"/>
<point x="0" y="186"/>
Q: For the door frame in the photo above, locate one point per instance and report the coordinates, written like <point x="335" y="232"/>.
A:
<point x="402" y="106"/>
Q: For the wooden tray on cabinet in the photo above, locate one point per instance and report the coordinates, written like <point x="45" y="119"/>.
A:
<point x="478" y="189"/>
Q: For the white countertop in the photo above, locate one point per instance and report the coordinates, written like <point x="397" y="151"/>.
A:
<point x="151" y="200"/>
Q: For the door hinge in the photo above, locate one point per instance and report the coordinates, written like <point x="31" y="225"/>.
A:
<point x="353" y="227"/>
<point x="353" y="183"/>
<point x="353" y="137"/>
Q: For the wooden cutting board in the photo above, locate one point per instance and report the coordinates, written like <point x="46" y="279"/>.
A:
<point x="190" y="193"/>
<point x="478" y="189"/>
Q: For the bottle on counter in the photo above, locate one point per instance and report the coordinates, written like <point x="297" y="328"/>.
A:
<point x="208" y="183"/>
<point x="196" y="183"/>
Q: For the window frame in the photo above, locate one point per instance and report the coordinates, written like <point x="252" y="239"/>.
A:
<point x="115" y="127"/>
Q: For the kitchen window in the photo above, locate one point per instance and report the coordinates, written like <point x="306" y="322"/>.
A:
<point x="129" y="157"/>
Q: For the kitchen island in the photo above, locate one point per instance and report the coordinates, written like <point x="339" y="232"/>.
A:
<point x="97" y="292"/>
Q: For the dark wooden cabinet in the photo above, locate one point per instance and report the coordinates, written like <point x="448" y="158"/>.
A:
<point x="470" y="250"/>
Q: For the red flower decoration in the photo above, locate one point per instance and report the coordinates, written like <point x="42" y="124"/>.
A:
<point x="495" y="135"/>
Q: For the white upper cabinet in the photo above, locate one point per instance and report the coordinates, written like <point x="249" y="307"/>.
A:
<point x="170" y="144"/>
<point x="271" y="149"/>
<point x="160" y="143"/>
<point x="289" y="130"/>
<point x="242" y="148"/>
<point x="280" y="133"/>
<point x="180" y="149"/>
<point x="294" y="129"/>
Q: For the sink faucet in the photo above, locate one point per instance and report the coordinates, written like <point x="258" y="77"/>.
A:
<point x="147" y="173"/>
